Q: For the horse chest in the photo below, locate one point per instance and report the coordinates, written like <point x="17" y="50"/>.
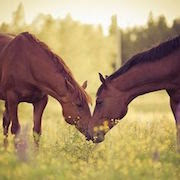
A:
<point x="30" y="96"/>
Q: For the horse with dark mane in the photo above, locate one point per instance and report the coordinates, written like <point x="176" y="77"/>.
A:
<point x="29" y="72"/>
<point x="152" y="70"/>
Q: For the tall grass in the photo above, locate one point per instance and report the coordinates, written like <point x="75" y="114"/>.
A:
<point x="141" y="146"/>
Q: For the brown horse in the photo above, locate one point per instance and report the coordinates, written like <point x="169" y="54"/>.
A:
<point x="152" y="70"/>
<point x="29" y="71"/>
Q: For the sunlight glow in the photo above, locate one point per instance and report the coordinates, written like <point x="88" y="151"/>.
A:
<point x="129" y="12"/>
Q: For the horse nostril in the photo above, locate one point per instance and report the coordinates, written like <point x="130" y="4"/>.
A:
<point x="88" y="137"/>
<point x="98" y="137"/>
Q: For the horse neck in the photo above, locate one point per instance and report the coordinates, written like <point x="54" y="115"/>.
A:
<point x="145" y="78"/>
<point x="4" y="41"/>
<point x="55" y="87"/>
<point x="49" y="78"/>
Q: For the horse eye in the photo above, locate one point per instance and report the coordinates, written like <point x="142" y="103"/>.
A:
<point x="79" y="105"/>
<point x="99" y="102"/>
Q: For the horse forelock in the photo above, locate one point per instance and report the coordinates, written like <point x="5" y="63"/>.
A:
<point x="62" y="67"/>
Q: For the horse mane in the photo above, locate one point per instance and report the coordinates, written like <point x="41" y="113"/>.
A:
<point x="154" y="54"/>
<point x="60" y="66"/>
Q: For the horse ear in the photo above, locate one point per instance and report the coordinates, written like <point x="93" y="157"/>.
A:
<point x="101" y="78"/>
<point x="106" y="76"/>
<point x="84" y="86"/>
<point x="69" y="85"/>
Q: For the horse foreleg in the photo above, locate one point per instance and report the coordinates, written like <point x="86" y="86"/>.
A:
<point x="39" y="107"/>
<point x="6" y="121"/>
<point x="175" y="106"/>
<point x="12" y="104"/>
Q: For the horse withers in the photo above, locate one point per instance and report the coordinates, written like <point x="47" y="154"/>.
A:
<point x="152" y="70"/>
<point x="29" y="72"/>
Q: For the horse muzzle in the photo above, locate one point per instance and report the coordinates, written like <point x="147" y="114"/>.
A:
<point x="97" y="137"/>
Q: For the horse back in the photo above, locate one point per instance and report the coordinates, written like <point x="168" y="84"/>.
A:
<point x="13" y="65"/>
<point x="4" y="40"/>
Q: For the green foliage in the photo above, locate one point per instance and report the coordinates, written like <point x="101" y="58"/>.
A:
<point x="176" y="26"/>
<point x="18" y="17"/>
<point x="137" y="39"/>
<point x="114" y="26"/>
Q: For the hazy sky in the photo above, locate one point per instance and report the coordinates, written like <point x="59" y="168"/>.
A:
<point x="129" y="12"/>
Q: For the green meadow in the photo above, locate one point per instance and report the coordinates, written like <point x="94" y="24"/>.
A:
<point x="141" y="146"/>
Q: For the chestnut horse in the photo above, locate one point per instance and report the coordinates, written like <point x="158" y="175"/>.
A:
<point x="152" y="70"/>
<point x="29" y="72"/>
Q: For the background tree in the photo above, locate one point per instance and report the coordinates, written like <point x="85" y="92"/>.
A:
<point x="18" y="19"/>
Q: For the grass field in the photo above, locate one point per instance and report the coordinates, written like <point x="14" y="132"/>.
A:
<point x="141" y="146"/>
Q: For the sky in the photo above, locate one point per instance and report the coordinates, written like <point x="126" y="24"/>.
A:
<point x="129" y="12"/>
